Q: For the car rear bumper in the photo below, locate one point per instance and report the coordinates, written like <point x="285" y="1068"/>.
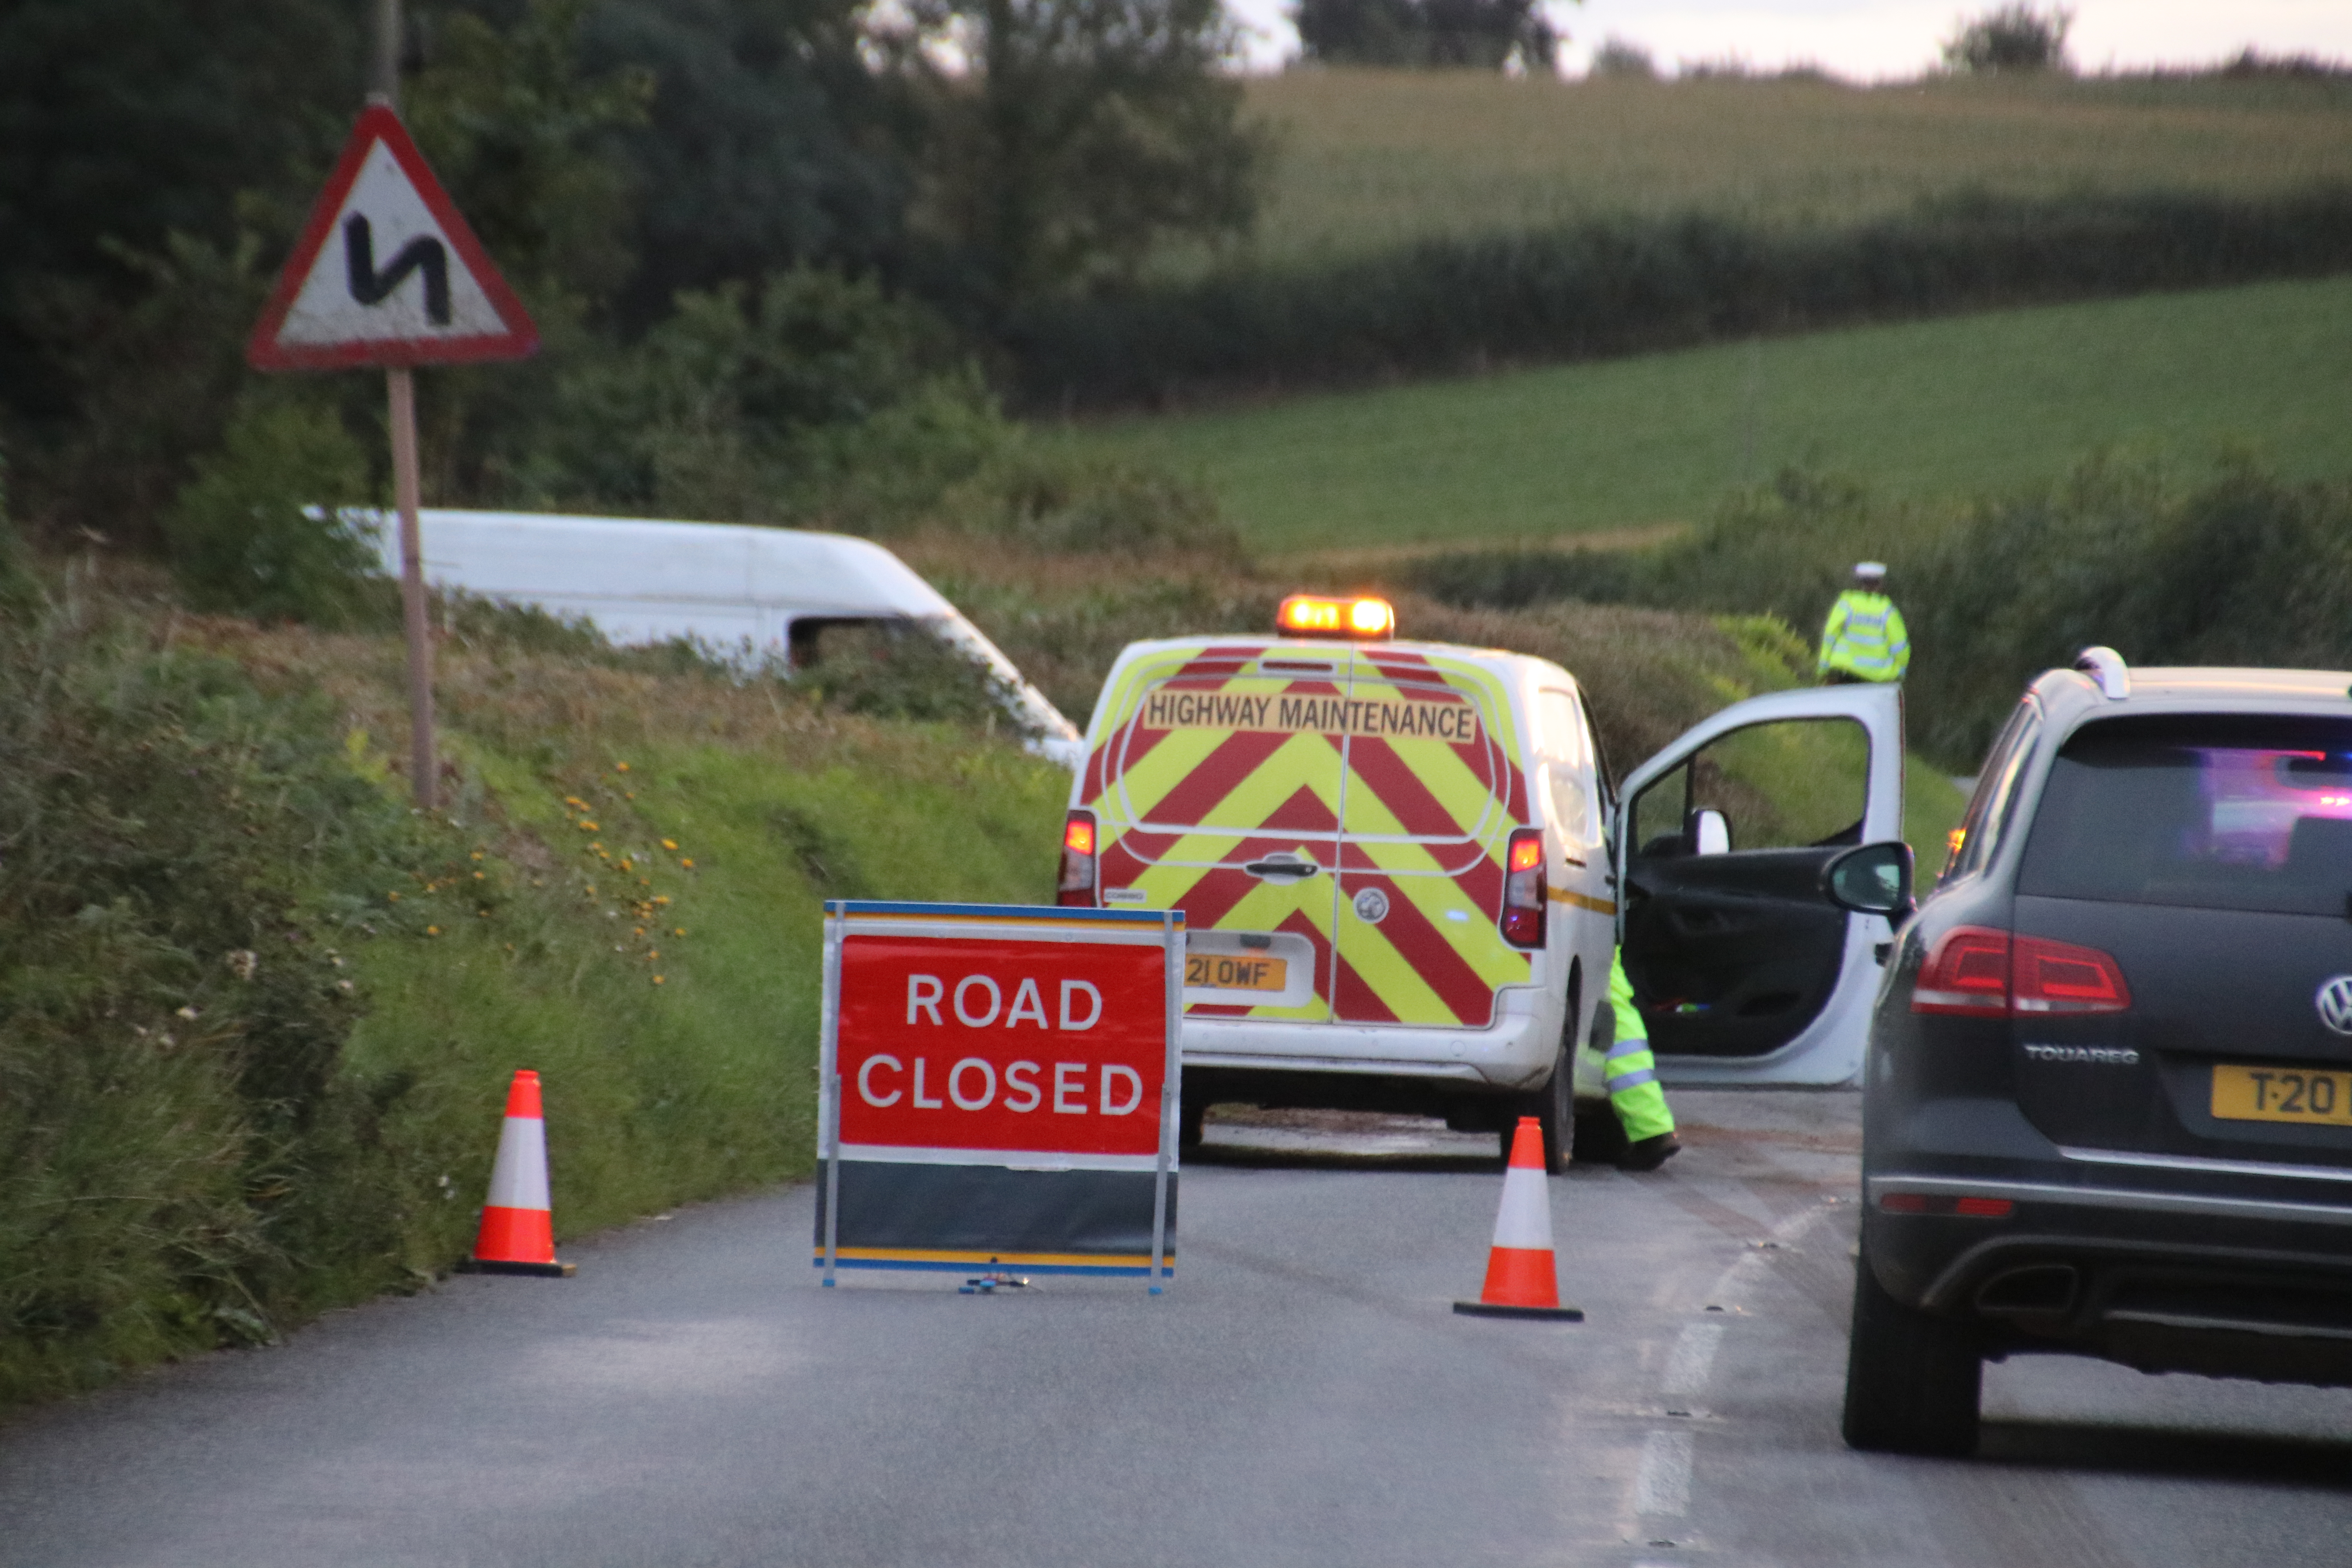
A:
<point x="2222" y="1283"/>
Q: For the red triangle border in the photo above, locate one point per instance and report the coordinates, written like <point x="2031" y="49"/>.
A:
<point x="376" y="123"/>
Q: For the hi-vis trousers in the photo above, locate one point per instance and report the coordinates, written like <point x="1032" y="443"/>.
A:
<point x="1629" y="1068"/>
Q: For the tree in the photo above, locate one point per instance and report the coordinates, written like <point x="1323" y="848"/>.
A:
<point x="766" y="143"/>
<point x="2016" y="38"/>
<point x="1061" y="141"/>
<point x="1482" y="34"/>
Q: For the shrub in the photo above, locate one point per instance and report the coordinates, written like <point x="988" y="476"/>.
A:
<point x="2242" y="568"/>
<point x="1056" y="503"/>
<point x="812" y="398"/>
<point x="2015" y="38"/>
<point x="179" y="1164"/>
<point x="1626" y="286"/>
<point x="254" y="532"/>
<point x="1625" y="61"/>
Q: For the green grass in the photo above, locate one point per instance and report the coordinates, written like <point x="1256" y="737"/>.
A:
<point x="1929" y="410"/>
<point x="257" y="1018"/>
<point x="1371" y="159"/>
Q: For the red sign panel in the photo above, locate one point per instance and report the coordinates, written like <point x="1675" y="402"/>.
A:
<point x="1031" y="1047"/>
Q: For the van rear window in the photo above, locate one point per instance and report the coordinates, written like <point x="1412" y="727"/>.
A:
<point x="2223" y="812"/>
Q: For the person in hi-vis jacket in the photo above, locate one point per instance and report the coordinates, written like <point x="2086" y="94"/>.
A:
<point x="1630" y="1073"/>
<point x="1865" y="639"/>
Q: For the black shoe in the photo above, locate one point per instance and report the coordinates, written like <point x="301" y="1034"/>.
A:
<point x="1649" y="1153"/>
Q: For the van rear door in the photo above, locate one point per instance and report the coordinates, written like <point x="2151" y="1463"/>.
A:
<point x="1434" y="785"/>
<point x="1220" y="794"/>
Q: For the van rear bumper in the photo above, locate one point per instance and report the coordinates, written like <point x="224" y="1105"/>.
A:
<point x="1514" y="1052"/>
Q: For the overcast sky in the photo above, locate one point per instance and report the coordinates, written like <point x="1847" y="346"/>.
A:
<point x="1878" y="39"/>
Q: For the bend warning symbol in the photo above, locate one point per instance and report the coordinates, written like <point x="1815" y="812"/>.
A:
<point x="386" y="272"/>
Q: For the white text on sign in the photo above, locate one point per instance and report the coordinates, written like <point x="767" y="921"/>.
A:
<point x="978" y="1000"/>
<point x="972" y="1085"/>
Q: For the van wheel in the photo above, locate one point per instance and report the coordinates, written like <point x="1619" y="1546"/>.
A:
<point x="1912" y="1379"/>
<point x="1553" y="1105"/>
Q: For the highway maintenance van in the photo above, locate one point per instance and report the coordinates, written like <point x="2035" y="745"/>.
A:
<point x="1401" y="865"/>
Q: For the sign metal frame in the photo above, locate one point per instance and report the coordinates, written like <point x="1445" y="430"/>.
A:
<point x="844" y="919"/>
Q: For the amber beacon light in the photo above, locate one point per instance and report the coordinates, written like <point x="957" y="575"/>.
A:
<point x="1317" y="615"/>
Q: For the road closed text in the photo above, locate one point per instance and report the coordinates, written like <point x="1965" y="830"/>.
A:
<point x="970" y="1084"/>
<point x="1032" y="1047"/>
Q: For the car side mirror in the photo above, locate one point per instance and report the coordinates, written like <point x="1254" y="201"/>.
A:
<point x="1873" y="879"/>
<point x="1710" y="832"/>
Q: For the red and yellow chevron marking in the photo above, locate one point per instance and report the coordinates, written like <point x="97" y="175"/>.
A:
<point x="1397" y="771"/>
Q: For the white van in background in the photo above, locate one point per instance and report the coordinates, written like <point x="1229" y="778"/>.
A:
<point x="763" y="594"/>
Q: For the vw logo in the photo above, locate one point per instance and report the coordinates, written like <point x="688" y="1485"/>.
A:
<point x="1373" y="908"/>
<point x="2334" y="1004"/>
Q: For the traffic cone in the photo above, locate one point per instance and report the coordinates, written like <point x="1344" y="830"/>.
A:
<point x="1521" y="1279"/>
<point x="518" y="1234"/>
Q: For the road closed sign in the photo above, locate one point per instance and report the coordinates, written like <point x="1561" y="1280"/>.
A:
<point x="999" y="1087"/>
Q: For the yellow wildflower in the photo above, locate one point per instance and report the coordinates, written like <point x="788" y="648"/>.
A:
<point x="657" y="979"/>
<point x="432" y="930"/>
<point x="669" y="843"/>
<point x="620" y="767"/>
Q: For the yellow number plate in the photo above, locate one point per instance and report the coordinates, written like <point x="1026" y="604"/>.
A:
<point x="2282" y="1094"/>
<point x="1236" y="972"/>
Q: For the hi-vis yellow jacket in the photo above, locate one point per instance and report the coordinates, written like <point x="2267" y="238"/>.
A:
<point x="1864" y="638"/>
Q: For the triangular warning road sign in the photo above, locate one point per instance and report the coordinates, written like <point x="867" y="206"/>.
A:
<point x="386" y="272"/>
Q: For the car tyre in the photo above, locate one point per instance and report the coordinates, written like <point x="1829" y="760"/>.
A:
<point x="1912" y="1379"/>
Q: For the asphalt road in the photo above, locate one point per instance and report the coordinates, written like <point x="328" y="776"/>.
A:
<point x="1303" y="1395"/>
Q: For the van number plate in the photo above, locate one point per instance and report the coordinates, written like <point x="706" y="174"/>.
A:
<point x="2282" y="1094"/>
<point x="1235" y="972"/>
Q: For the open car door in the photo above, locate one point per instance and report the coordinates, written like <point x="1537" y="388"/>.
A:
<point x="1745" y="970"/>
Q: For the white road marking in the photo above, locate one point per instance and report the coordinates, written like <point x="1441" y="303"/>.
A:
<point x="1662" y="1486"/>
<point x="1691" y="1360"/>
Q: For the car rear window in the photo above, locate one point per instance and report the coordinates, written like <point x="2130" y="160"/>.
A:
<point x="2221" y="812"/>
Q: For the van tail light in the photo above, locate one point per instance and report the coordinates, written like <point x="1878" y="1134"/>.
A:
<point x="1524" y="893"/>
<point x="1078" y="886"/>
<point x="1977" y="972"/>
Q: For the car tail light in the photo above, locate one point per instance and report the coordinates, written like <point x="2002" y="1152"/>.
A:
<point x="1981" y="972"/>
<point x="1967" y="973"/>
<point x="1077" y="861"/>
<point x="2059" y="978"/>
<point x="1524" y="893"/>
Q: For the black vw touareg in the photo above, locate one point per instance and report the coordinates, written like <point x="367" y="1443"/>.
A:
<point x="2109" y="1101"/>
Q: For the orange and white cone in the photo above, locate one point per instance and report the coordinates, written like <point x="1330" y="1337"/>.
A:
<point x="1522" y="1280"/>
<point x="518" y="1234"/>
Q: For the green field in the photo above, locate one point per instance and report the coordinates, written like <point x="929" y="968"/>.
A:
<point x="1926" y="409"/>
<point x="1369" y="159"/>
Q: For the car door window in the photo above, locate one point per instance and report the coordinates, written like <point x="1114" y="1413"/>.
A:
<point x="1788" y="785"/>
<point x="1986" y="823"/>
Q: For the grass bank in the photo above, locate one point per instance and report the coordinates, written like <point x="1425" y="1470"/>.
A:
<point x="1920" y="410"/>
<point x="257" y="1017"/>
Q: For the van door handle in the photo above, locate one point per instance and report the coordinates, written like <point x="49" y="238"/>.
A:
<point x="1282" y="866"/>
